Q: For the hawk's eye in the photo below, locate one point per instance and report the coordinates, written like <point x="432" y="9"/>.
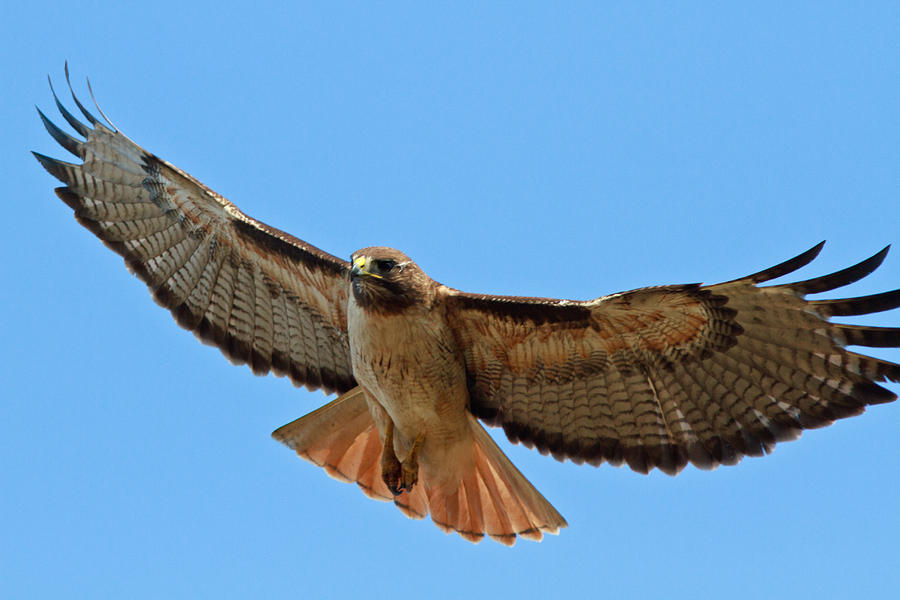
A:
<point x="385" y="265"/>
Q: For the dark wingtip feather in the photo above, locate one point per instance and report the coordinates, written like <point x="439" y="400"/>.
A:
<point x="77" y="125"/>
<point x="839" y="278"/>
<point x="788" y="266"/>
<point x="57" y="168"/>
<point x="64" y="139"/>
<point x="863" y="305"/>
<point x="72" y="199"/>
<point x="872" y="337"/>
<point x="871" y="393"/>
<point x="87" y="115"/>
<point x="100" y="110"/>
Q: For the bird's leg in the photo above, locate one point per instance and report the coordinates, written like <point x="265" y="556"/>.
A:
<point x="409" y="473"/>
<point x="390" y="466"/>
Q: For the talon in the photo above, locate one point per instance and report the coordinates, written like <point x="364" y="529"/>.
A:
<point x="391" y="470"/>
<point x="399" y="477"/>
<point x="409" y="470"/>
<point x="392" y="476"/>
<point x="409" y="475"/>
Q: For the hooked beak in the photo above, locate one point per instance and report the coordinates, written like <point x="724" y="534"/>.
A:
<point x="360" y="267"/>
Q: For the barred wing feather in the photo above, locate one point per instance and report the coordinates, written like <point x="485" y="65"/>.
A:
<point x="265" y="298"/>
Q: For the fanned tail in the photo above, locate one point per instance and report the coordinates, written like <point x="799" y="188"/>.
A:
<point x="342" y="438"/>
<point x="490" y="498"/>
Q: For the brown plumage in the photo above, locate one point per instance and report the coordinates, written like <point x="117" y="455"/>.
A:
<point x="652" y="378"/>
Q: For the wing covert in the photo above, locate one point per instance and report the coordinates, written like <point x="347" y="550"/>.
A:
<point x="265" y="298"/>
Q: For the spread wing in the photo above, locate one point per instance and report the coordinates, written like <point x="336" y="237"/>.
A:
<point x="262" y="296"/>
<point x="659" y="377"/>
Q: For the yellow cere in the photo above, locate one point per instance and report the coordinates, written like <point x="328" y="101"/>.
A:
<point x="360" y="262"/>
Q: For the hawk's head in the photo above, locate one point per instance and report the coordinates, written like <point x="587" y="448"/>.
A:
<point x="388" y="281"/>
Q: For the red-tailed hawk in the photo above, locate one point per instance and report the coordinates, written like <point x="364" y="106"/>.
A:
<point x="652" y="378"/>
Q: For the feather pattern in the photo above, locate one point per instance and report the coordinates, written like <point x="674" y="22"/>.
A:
<point x="493" y="498"/>
<point x="265" y="298"/>
<point x="653" y="378"/>
<point x="659" y="377"/>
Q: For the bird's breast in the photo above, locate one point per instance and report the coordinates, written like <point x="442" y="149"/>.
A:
<point x="410" y="364"/>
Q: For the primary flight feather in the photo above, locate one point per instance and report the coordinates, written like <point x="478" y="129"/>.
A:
<point x="653" y="378"/>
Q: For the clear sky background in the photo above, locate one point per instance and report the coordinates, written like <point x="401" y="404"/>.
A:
<point x="512" y="148"/>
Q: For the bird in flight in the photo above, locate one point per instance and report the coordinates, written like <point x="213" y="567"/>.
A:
<point x="656" y="377"/>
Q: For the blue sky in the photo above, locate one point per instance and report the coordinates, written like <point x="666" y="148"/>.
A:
<point x="511" y="148"/>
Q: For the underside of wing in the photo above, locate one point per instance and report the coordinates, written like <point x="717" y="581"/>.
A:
<point x="659" y="377"/>
<point x="265" y="298"/>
